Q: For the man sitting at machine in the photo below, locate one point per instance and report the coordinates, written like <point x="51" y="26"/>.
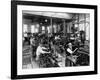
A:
<point x="70" y="59"/>
<point x="41" y="49"/>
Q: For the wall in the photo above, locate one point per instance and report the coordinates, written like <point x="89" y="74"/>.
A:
<point x="26" y="25"/>
<point x="5" y="40"/>
<point x="82" y="22"/>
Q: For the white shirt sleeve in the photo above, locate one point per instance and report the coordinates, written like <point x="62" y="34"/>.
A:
<point x="70" y="51"/>
<point x="39" y="51"/>
<point x="44" y="51"/>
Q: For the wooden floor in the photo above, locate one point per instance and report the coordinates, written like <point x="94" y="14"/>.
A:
<point x="31" y="65"/>
<point x="28" y="62"/>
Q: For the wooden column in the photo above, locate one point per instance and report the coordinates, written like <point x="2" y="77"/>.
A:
<point x="51" y="25"/>
<point x="85" y="23"/>
<point x="40" y="28"/>
<point x="78" y="23"/>
<point x="64" y="29"/>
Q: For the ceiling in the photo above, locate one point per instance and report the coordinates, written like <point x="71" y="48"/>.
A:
<point x="49" y="14"/>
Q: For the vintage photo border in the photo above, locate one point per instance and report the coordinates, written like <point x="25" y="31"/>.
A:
<point x="14" y="57"/>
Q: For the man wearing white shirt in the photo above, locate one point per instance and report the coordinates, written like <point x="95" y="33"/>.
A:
<point x="70" y="59"/>
<point x="40" y="50"/>
<point x="69" y="49"/>
<point x="69" y="53"/>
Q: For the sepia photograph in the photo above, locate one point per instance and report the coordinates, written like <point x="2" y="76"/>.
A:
<point x="53" y="39"/>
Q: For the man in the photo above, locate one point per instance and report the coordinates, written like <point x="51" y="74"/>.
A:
<point x="41" y="50"/>
<point x="69" y="55"/>
<point x="33" y="46"/>
<point x="82" y="37"/>
<point x="57" y="37"/>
